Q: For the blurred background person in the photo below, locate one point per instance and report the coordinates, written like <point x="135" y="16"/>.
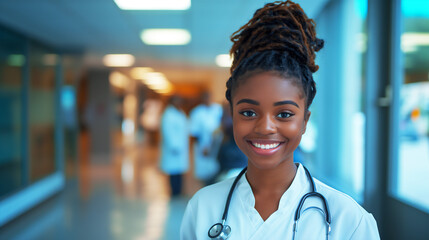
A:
<point x="205" y="119"/>
<point x="174" y="143"/>
<point x="231" y="159"/>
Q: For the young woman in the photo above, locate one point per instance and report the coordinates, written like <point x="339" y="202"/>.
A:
<point x="270" y="91"/>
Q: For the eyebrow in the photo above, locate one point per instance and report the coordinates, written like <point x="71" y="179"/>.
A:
<point x="286" y="102"/>
<point x="250" y="101"/>
<point x="246" y="100"/>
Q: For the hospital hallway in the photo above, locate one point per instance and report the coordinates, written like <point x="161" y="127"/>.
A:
<point x="121" y="196"/>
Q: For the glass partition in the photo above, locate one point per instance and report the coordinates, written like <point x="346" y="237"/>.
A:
<point x="27" y="112"/>
<point x="13" y="57"/>
<point x="41" y="113"/>
<point x="411" y="178"/>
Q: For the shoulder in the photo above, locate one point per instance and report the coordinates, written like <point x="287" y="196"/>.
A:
<point x="212" y="193"/>
<point x="204" y="209"/>
<point x="336" y="196"/>
<point x="339" y="201"/>
<point x="210" y="201"/>
<point x="348" y="217"/>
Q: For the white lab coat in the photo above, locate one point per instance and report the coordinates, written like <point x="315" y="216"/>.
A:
<point x="174" y="141"/>
<point x="204" y="122"/>
<point x="349" y="219"/>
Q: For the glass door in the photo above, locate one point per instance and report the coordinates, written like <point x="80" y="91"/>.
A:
<point x="407" y="202"/>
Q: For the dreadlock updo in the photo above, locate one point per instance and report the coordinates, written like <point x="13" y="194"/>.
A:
<point x="279" y="38"/>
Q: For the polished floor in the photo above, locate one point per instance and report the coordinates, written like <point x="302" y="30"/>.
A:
<point x="120" y="196"/>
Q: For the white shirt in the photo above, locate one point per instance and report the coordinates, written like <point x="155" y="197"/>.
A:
<point x="349" y="219"/>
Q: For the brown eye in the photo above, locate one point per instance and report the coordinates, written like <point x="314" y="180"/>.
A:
<point x="248" y="113"/>
<point x="284" y="115"/>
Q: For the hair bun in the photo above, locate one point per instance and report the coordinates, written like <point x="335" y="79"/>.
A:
<point x="279" y="26"/>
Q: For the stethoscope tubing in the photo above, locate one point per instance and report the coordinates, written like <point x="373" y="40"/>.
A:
<point x="228" y="200"/>
<point x="312" y="193"/>
<point x="225" y="211"/>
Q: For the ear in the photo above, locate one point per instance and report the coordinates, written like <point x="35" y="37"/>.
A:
<point x="306" y="118"/>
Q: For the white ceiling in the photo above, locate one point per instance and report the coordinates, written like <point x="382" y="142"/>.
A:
<point x="98" y="27"/>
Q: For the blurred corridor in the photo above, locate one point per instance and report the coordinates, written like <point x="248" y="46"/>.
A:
<point x="126" y="199"/>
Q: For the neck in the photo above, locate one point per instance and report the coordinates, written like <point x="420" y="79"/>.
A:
<point x="276" y="180"/>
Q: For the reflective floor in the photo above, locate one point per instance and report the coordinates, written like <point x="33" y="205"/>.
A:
<point x="122" y="196"/>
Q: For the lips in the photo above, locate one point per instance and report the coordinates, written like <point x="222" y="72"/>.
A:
<point x="265" y="147"/>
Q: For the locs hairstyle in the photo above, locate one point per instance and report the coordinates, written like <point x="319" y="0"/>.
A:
<point x="279" y="38"/>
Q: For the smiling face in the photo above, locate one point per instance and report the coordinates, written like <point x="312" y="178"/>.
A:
<point x="268" y="119"/>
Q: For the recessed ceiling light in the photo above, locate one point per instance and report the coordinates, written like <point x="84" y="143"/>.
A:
<point x="118" y="60"/>
<point x="153" y="4"/>
<point x="159" y="36"/>
<point x="223" y="60"/>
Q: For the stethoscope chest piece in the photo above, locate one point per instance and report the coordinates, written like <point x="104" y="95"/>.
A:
<point x="219" y="231"/>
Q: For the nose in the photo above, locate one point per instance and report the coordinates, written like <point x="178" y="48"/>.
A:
<point x="265" y="126"/>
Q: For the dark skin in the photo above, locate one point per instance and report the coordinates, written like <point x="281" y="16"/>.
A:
<point x="268" y="188"/>
<point x="269" y="118"/>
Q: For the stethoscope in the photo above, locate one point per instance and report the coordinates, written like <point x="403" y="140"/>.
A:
<point x="221" y="231"/>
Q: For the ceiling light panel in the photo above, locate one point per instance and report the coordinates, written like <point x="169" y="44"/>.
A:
<point x="153" y="4"/>
<point x="160" y="36"/>
<point x="118" y="60"/>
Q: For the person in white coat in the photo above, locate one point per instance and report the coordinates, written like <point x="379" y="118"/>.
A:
<point x="174" y="144"/>
<point x="270" y="91"/>
<point x="205" y="120"/>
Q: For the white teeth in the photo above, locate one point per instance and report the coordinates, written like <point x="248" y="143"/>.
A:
<point x="266" y="146"/>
